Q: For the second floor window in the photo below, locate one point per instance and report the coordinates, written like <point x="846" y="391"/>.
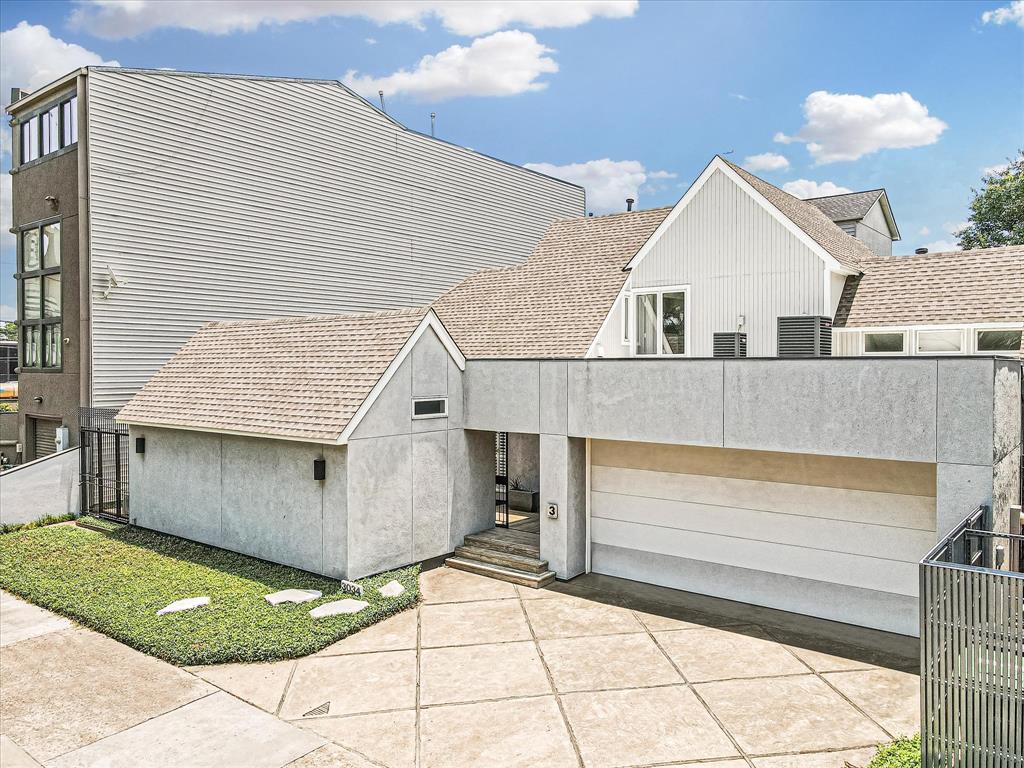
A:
<point x="41" y="305"/>
<point x="661" y="322"/>
<point x="49" y="131"/>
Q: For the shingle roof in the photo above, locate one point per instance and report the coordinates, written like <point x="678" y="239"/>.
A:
<point x="847" y="250"/>
<point x="853" y="205"/>
<point x="985" y="285"/>
<point x="553" y="304"/>
<point x="299" y="377"/>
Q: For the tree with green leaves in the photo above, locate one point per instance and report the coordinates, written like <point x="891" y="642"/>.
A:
<point x="997" y="211"/>
<point x="8" y="331"/>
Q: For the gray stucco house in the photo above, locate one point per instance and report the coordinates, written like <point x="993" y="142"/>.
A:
<point x="356" y="443"/>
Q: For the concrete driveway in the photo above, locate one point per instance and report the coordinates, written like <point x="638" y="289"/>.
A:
<point x="481" y="674"/>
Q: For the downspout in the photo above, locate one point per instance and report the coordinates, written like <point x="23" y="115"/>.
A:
<point x="84" y="255"/>
<point x="84" y="274"/>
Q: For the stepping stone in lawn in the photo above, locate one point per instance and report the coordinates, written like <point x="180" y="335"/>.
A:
<point x="184" y="605"/>
<point x="293" y="596"/>
<point x="391" y="589"/>
<point x="348" y="605"/>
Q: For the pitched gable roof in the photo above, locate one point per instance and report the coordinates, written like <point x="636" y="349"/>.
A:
<point x="984" y="285"/>
<point x="846" y="207"/>
<point x="300" y="378"/>
<point x="847" y="250"/>
<point x="553" y="304"/>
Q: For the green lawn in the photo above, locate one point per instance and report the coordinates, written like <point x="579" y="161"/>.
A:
<point x="902" y="753"/>
<point x="115" y="581"/>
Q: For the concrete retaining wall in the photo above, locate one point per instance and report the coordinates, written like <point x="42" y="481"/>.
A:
<point x="47" y="486"/>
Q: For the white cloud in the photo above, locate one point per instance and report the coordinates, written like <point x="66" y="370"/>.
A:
<point x="1007" y="14"/>
<point x="7" y="313"/>
<point x="114" y="19"/>
<point x="766" y="161"/>
<point x="845" y="126"/>
<point x="994" y="170"/>
<point x="740" y="97"/>
<point x="955" y="226"/>
<point x="502" y="64"/>
<point x="370" y="41"/>
<point x="924" y="232"/>
<point x="941" y="246"/>
<point x="608" y="182"/>
<point x="805" y="188"/>
<point x="32" y="57"/>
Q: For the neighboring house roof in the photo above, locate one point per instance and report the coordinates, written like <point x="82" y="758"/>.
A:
<point x="847" y="250"/>
<point x="985" y="285"/>
<point x="303" y="378"/>
<point x="553" y="304"/>
<point x="854" y="206"/>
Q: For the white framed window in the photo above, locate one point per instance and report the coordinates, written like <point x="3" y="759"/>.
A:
<point x="430" y="407"/>
<point x="943" y="341"/>
<point x="885" y="342"/>
<point x="661" y="319"/>
<point x="998" y="340"/>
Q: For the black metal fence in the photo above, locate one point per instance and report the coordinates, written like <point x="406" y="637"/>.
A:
<point x="104" y="463"/>
<point x="972" y="649"/>
<point x="501" y="479"/>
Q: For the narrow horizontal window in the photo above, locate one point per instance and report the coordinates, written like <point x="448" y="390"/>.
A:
<point x="431" y="408"/>
<point x="884" y="343"/>
<point x="940" y="342"/>
<point x="999" y="341"/>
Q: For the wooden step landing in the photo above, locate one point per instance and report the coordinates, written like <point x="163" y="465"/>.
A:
<point x="522" y="578"/>
<point x="513" y="542"/>
<point x="505" y="554"/>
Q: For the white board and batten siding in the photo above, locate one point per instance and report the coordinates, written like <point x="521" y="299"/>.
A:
<point x="832" y="537"/>
<point x="218" y="198"/>
<point x="737" y="259"/>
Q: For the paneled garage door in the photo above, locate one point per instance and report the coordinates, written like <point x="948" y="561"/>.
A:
<point x="832" y="537"/>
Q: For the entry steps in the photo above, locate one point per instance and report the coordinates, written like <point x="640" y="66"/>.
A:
<point x="504" y="554"/>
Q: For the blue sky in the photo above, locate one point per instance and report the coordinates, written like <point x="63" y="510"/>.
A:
<point x="914" y="97"/>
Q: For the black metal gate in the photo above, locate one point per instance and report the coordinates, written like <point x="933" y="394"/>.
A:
<point x="501" y="479"/>
<point x="104" y="463"/>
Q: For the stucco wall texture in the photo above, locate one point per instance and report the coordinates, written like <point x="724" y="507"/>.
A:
<point x="408" y="489"/>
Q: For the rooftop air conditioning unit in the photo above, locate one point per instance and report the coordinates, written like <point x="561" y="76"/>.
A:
<point x="730" y="345"/>
<point x="805" y="336"/>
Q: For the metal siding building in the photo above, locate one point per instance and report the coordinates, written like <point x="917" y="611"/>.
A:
<point x="219" y="197"/>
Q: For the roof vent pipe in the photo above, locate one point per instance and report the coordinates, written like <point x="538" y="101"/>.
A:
<point x="920" y="251"/>
<point x="433" y="122"/>
<point x="629" y="203"/>
<point x="382" y="107"/>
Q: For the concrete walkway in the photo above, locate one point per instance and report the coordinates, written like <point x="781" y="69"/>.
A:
<point x="481" y="674"/>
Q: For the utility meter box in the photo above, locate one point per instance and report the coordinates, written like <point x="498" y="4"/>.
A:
<point x="62" y="439"/>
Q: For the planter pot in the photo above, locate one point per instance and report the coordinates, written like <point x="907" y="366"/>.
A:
<point x="524" y="500"/>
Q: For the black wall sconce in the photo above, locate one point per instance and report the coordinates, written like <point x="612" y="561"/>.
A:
<point x="140" y="445"/>
<point x="319" y="469"/>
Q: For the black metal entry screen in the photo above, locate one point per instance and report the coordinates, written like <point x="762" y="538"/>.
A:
<point x="501" y="479"/>
<point x="104" y="463"/>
